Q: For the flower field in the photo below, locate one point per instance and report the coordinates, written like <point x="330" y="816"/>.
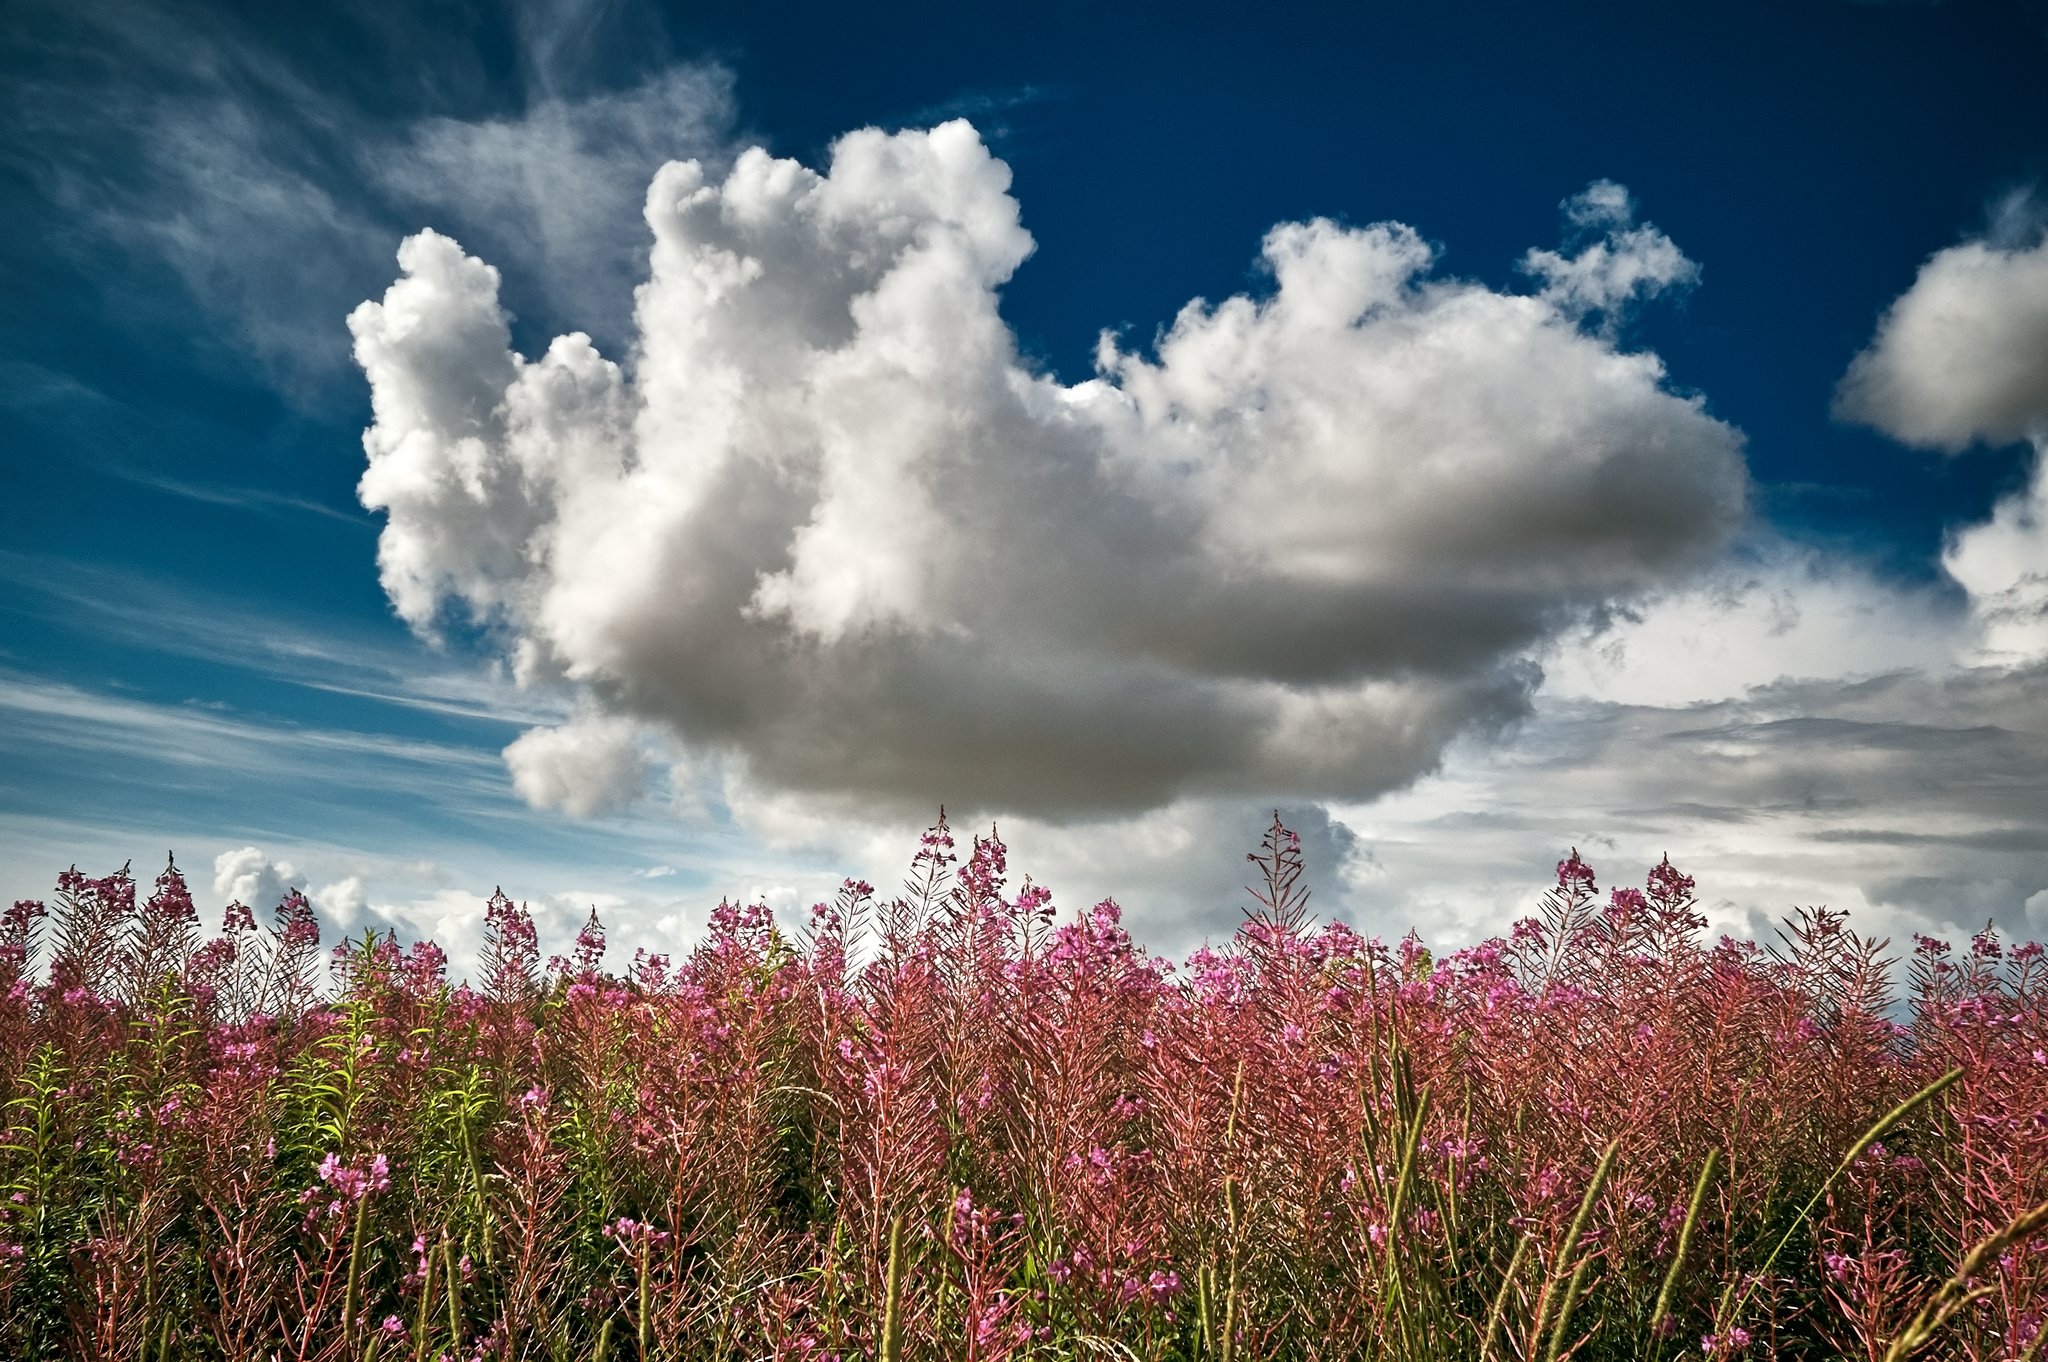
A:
<point x="957" y="1124"/>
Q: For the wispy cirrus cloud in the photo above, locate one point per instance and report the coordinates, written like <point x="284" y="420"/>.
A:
<point x="138" y="612"/>
<point x="272" y="174"/>
<point x="555" y="190"/>
<point x="66" y="718"/>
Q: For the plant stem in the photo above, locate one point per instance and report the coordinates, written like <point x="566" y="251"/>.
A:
<point x="892" y="1301"/>
<point x="1692" y="1217"/>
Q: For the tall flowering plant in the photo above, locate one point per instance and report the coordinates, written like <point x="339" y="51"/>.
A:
<point x="955" y="1123"/>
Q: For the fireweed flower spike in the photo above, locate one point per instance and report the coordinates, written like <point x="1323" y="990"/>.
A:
<point x="966" y="1123"/>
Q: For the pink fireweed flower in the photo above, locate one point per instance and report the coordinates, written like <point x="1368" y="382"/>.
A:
<point x="590" y="944"/>
<point x="1034" y="900"/>
<point x="420" y="1268"/>
<point x="1666" y="883"/>
<point x="982" y="877"/>
<point x="650" y="971"/>
<point x="425" y="969"/>
<point x="630" y="1232"/>
<point x="352" y="1183"/>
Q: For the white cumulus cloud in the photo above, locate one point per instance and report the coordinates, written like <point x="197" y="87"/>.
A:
<point x="2003" y="564"/>
<point x="1962" y="355"/>
<point x="591" y="765"/>
<point x="1629" y="262"/>
<point x="249" y="877"/>
<point x="829" y="530"/>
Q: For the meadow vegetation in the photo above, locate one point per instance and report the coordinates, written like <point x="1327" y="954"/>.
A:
<point x="956" y="1124"/>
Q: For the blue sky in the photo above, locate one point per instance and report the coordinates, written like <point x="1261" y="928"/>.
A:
<point x="1603" y="425"/>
